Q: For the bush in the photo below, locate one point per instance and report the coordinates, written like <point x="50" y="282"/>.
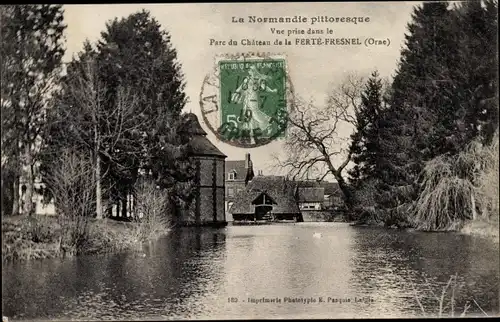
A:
<point x="26" y="238"/>
<point x="70" y="179"/>
<point x="153" y="211"/>
<point x="487" y="187"/>
<point x="42" y="229"/>
<point x="455" y="187"/>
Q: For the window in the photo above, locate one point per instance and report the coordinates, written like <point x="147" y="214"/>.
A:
<point x="230" y="192"/>
<point x="232" y="175"/>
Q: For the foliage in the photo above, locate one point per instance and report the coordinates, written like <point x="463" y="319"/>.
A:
<point x="487" y="188"/>
<point x="456" y="187"/>
<point x="72" y="182"/>
<point x="39" y="237"/>
<point x="365" y="147"/>
<point x="408" y="126"/>
<point x="135" y="53"/>
<point x="445" y="201"/>
<point x="442" y="99"/>
<point x="475" y="70"/>
<point x="113" y="106"/>
<point x="29" y="238"/>
<point x="32" y="49"/>
<point x="153" y="210"/>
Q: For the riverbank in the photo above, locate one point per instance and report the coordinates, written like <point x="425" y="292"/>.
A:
<point x="484" y="228"/>
<point x="38" y="237"/>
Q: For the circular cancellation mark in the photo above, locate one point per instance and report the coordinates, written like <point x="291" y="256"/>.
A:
<point x="247" y="97"/>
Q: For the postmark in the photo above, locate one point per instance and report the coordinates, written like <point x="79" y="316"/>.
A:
<point x="246" y="99"/>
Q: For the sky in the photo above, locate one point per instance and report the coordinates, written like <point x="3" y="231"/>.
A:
<point x="313" y="70"/>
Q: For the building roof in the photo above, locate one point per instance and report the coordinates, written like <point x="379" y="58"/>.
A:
<point x="239" y="167"/>
<point x="330" y="188"/>
<point x="199" y="144"/>
<point x="192" y="125"/>
<point x="281" y="190"/>
<point x="243" y="174"/>
<point x="311" y="194"/>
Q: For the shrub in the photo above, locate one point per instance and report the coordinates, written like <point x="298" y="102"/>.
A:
<point x="487" y="188"/>
<point x="153" y="211"/>
<point x="453" y="188"/>
<point x="70" y="179"/>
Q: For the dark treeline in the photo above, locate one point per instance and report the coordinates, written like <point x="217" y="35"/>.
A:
<point x="117" y="106"/>
<point x="420" y="144"/>
<point x="100" y="133"/>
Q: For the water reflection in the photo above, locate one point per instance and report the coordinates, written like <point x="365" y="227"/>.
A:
<point x="395" y="266"/>
<point x="161" y="280"/>
<point x="193" y="272"/>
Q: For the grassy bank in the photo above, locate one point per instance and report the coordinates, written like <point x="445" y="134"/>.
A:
<point x="484" y="228"/>
<point x="27" y="238"/>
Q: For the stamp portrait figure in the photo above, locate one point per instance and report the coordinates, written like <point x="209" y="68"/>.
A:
<point x="248" y="94"/>
<point x="253" y="100"/>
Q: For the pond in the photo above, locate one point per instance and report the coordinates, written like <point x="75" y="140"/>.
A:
<point x="302" y="270"/>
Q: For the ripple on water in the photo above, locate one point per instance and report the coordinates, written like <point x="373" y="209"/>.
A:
<point x="191" y="274"/>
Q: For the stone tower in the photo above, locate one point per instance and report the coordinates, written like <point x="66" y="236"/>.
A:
<point x="207" y="208"/>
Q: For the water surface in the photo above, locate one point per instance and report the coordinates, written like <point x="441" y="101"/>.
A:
<point x="261" y="272"/>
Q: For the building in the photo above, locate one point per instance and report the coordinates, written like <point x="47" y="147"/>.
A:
<point x="208" y="206"/>
<point x="237" y="174"/>
<point x="319" y="195"/>
<point x="333" y="195"/>
<point x="267" y="197"/>
<point x="311" y="198"/>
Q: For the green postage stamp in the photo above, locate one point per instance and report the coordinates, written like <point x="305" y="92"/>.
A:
<point x="252" y="95"/>
<point x="252" y="100"/>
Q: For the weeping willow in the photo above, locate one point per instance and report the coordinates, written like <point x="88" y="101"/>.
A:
<point x="487" y="190"/>
<point x="458" y="188"/>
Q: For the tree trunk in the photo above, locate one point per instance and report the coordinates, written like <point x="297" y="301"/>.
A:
<point x="98" y="189"/>
<point x="8" y="178"/>
<point x="30" y="181"/>
<point x="124" y="205"/>
<point x="473" y="206"/>
<point x="15" y="193"/>
<point x="15" y="183"/>
<point x="348" y="196"/>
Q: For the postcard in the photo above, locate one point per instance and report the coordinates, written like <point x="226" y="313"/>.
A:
<point x="250" y="160"/>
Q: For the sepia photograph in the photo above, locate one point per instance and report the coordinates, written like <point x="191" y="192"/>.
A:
<point x="249" y="161"/>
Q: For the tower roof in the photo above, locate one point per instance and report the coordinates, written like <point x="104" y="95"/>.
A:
<point x="192" y="125"/>
<point x="199" y="144"/>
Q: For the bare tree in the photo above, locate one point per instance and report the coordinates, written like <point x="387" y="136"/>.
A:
<point x="153" y="210"/>
<point x="73" y="185"/>
<point x="314" y="141"/>
<point x="88" y="122"/>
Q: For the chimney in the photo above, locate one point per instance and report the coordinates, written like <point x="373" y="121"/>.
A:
<point x="248" y="162"/>
<point x="249" y="168"/>
<point x="260" y="172"/>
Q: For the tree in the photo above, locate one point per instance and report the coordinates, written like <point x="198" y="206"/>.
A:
<point x="136" y="54"/>
<point x="442" y="97"/>
<point x="365" y="146"/>
<point x="83" y="119"/>
<point x="475" y="70"/>
<point x="313" y="141"/>
<point x="418" y="124"/>
<point x="114" y="106"/>
<point x="32" y="48"/>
